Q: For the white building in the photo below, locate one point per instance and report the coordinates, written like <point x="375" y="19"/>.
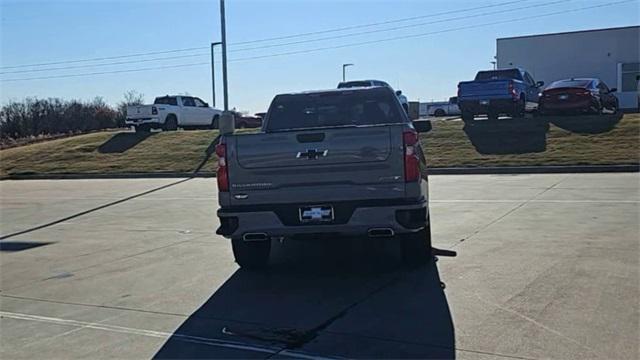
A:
<point x="613" y="55"/>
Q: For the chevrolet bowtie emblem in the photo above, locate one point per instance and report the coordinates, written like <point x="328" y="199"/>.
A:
<point x="312" y="154"/>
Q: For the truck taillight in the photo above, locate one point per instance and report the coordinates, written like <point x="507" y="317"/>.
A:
<point x="512" y="91"/>
<point x="154" y="110"/>
<point x="222" y="174"/>
<point x="411" y="160"/>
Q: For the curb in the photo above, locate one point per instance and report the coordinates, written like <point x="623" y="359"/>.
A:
<point x="496" y="170"/>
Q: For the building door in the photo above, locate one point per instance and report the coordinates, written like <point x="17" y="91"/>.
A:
<point x="628" y="85"/>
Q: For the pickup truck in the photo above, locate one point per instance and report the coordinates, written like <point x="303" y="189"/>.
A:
<point x="443" y="108"/>
<point x="365" y="83"/>
<point x="341" y="162"/>
<point x="495" y="92"/>
<point x="170" y="112"/>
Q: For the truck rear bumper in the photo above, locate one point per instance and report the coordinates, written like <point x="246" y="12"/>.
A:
<point x="152" y="121"/>
<point x="399" y="217"/>
<point x="486" y="106"/>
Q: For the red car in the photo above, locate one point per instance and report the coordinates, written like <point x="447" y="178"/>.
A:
<point x="584" y="95"/>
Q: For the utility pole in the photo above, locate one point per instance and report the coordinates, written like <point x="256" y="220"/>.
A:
<point x="344" y="66"/>
<point x="494" y="64"/>
<point x="213" y="76"/>
<point x="224" y="56"/>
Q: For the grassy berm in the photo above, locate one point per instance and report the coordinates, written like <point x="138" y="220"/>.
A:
<point x="568" y="141"/>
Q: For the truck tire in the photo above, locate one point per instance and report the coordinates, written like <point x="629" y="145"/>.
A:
<point x="521" y="107"/>
<point x="171" y="123"/>
<point x="416" y="247"/>
<point x="251" y="255"/>
<point x="439" y="113"/>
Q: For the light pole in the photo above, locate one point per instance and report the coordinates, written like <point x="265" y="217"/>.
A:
<point x="213" y="76"/>
<point x="494" y="64"/>
<point x="224" y="56"/>
<point x="344" y="66"/>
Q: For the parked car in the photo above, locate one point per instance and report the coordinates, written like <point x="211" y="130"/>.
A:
<point x="327" y="163"/>
<point x="243" y="121"/>
<point x="581" y="95"/>
<point x="495" y="92"/>
<point x="366" y="83"/>
<point x="171" y="112"/>
<point x="444" y="108"/>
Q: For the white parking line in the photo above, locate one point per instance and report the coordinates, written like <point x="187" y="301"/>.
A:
<point x="141" y="332"/>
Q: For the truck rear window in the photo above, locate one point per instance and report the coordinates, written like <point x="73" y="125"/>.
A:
<point x="166" y="100"/>
<point x="334" y="109"/>
<point x="499" y="75"/>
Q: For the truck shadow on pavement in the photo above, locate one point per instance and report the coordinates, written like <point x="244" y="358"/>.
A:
<point x="354" y="306"/>
<point x="508" y="136"/>
<point x="587" y="124"/>
<point x="123" y="141"/>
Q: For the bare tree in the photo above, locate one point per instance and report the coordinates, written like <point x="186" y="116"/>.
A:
<point x="131" y="97"/>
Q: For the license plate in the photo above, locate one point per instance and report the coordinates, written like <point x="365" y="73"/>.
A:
<point x="563" y="97"/>
<point x="319" y="213"/>
<point x="484" y="102"/>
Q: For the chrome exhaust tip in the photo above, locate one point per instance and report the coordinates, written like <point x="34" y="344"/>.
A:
<point x="381" y="232"/>
<point x="255" y="237"/>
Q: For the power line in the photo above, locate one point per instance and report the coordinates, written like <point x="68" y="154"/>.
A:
<point x="288" y="43"/>
<point x="400" y="27"/>
<point x="107" y="64"/>
<point x="353" y="27"/>
<point x="109" y="72"/>
<point x="106" y="58"/>
<point x="431" y="33"/>
<point x="262" y="40"/>
<point x="285" y="44"/>
<point x="343" y="45"/>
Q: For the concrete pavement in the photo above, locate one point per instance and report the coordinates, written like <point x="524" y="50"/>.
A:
<point x="547" y="267"/>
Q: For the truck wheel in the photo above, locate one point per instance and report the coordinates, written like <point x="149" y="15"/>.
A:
<point x="251" y="255"/>
<point x="416" y="247"/>
<point x="214" y="122"/>
<point x="439" y="113"/>
<point x="520" y="108"/>
<point x="171" y="123"/>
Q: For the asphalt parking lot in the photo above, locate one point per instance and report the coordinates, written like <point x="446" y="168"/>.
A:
<point x="547" y="267"/>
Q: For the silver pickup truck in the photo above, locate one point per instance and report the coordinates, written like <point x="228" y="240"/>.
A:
<point x="345" y="162"/>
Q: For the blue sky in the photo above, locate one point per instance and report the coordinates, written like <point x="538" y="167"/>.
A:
<point x="425" y="68"/>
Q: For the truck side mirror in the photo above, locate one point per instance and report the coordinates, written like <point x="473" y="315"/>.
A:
<point x="540" y="83"/>
<point x="398" y="93"/>
<point x="422" y="126"/>
<point x="227" y="123"/>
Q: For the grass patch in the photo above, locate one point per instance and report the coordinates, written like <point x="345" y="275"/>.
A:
<point x="447" y="145"/>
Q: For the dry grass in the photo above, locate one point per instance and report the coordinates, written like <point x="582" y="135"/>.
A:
<point x="447" y="146"/>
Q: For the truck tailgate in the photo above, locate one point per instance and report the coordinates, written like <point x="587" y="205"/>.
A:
<point x="139" y="111"/>
<point x="317" y="165"/>
<point x="484" y="89"/>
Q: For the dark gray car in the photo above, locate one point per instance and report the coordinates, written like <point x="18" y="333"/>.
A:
<point x="336" y="162"/>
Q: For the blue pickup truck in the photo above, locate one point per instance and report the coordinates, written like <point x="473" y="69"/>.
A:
<point x="493" y="93"/>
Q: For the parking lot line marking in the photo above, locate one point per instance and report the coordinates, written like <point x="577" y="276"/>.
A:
<point x="142" y="332"/>
<point x="538" y="201"/>
<point x="3" y="237"/>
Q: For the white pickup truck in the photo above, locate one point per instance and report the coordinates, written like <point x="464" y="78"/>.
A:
<point x="440" y="108"/>
<point x="171" y="112"/>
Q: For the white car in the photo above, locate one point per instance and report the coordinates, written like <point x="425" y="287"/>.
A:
<point x="170" y="112"/>
<point x="366" y="83"/>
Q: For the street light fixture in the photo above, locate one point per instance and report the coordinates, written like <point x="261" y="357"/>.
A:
<point x="213" y="75"/>
<point x="344" y="66"/>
